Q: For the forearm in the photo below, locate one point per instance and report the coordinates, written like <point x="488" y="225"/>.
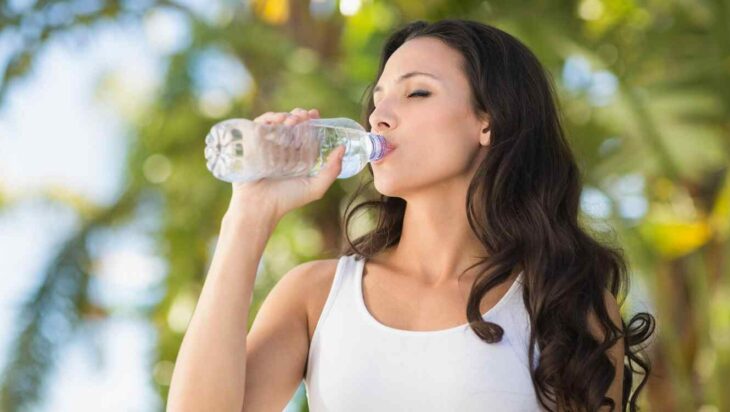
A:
<point x="210" y="370"/>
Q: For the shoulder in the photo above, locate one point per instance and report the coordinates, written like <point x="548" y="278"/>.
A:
<point x="313" y="280"/>
<point x="312" y="268"/>
<point x="612" y="307"/>
<point x="316" y="273"/>
<point x="303" y="283"/>
<point x="310" y="277"/>
<point x="614" y="313"/>
<point x="616" y="352"/>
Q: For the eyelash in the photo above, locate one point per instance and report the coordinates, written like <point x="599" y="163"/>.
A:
<point x="417" y="93"/>
<point x="420" y="93"/>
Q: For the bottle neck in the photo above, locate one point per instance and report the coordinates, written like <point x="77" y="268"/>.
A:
<point x="378" y="144"/>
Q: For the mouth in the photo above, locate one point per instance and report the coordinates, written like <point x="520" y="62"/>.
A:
<point x="389" y="148"/>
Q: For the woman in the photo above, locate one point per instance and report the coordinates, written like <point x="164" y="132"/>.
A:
<point x="477" y="290"/>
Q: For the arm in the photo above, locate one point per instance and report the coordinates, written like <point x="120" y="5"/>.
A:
<point x="615" y="353"/>
<point x="278" y="343"/>
<point x="210" y="370"/>
<point x="214" y="366"/>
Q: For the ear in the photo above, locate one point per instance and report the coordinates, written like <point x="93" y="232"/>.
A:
<point x="486" y="134"/>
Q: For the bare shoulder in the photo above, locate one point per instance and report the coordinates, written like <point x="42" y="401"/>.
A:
<point x="309" y="276"/>
<point x="277" y="344"/>
<point x="613" y="310"/>
<point x="315" y="279"/>
<point x="616" y="352"/>
<point x="304" y="286"/>
<point x="315" y="275"/>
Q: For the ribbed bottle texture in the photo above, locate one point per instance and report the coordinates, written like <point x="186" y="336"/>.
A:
<point x="240" y="150"/>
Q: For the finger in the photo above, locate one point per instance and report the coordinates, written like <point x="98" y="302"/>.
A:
<point x="276" y="118"/>
<point x="271" y="118"/>
<point x="263" y="117"/>
<point x="300" y="114"/>
<point x="292" y="119"/>
<point x="334" y="160"/>
<point x="314" y="113"/>
<point x="332" y="168"/>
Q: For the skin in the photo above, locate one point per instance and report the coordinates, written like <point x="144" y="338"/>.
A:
<point x="432" y="176"/>
<point x="440" y="143"/>
<point x="400" y="289"/>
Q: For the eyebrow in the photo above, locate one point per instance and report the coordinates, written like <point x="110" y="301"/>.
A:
<point x="406" y="76"/>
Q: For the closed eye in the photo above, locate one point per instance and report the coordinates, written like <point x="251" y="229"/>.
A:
<point x="417" y="93"/>
<point x="420" y="93"/>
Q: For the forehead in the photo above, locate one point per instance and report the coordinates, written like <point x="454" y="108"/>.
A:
<point x="426" y="54"/>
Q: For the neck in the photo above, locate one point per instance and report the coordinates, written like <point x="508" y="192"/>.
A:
<point x="436" y="243"/>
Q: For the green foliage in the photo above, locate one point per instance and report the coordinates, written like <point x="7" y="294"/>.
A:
<point x="667" y="124"/>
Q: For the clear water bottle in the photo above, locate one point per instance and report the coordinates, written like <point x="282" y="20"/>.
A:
<point x="240" y="150"/>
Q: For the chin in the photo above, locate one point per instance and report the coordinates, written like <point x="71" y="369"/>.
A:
<point x="386" y="187"/>
<point x="384" y="191"/>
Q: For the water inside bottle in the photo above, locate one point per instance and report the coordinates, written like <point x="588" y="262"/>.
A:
<point x="242" y="150"/>
<point x="356" y="149"/>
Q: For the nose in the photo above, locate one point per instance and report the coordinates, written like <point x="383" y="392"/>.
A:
<point x="382" y="120"/>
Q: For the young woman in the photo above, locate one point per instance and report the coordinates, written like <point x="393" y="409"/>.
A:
<point x="477" y="290"/>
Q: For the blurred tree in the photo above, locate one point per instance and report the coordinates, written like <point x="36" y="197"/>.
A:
<point x="644" y="88"/>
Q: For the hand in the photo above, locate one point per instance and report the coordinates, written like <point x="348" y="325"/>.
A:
<point x="280" y="196"/>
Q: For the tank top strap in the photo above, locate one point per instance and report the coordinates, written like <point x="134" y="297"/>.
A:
<point x="359" y="365"/>
<point x="343" y="279"/>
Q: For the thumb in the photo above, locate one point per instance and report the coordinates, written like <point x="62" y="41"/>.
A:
<point x="329" y="172"/>
<point x="334" y="162"/>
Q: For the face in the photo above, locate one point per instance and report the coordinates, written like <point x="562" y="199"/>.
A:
<point x="428" y="117"/>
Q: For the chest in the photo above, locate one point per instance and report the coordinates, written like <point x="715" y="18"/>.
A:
<point x="398" y="303"/>
<point x="430" y="364"/>
<point x="376" y="369"/>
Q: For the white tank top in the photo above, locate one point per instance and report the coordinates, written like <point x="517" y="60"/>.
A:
<point x="356" y="363"/>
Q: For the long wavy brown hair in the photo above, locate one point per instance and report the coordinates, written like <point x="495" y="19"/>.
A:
<point x="523" y="205"/>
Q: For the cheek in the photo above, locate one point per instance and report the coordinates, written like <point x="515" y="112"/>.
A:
<point x="432" y="160"/>
<point x="445" y="157"/>
<point x="446" y="117"/>
<point x="438" y="145"/>
<point x="444" y="139"/>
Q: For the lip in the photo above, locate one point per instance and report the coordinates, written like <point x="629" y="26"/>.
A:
<point x="390" y="146"/>
<point x="391" y="149"/>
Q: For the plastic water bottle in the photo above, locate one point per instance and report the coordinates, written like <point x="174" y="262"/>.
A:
<point x="240" y="150"/>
